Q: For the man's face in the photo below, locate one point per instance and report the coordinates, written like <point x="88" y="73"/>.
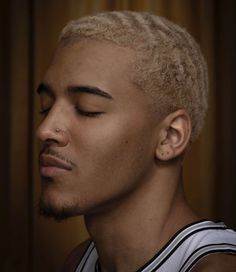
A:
<point x="97" y="132"/>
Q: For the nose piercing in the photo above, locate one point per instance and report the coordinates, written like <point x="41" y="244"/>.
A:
<point x="57" y="130"/>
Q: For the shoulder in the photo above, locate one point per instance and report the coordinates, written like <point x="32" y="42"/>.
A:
<point x="217" y="262"/>
<point x="75" y="256"/>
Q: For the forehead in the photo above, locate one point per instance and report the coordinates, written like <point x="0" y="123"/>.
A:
<point x="91" y="62"/>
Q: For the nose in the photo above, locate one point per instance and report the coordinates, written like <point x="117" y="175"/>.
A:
<point x="52" y="131"/>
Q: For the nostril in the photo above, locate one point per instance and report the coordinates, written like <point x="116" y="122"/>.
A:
<point x="50" y="141"/>
<point x="52" y="136"/>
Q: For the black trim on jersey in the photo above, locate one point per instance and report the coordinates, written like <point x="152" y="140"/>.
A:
<point x="87" y="257"/>
<point x="226" y="251"/>
<point x="206" y="252"/>
<point x="179" y="243"/>
<point x="98" y="266"/>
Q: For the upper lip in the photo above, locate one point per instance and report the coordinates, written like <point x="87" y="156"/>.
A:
<point x="48" y="160"/>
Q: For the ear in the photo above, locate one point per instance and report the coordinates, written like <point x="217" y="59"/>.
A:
<point x="174" y="135"/>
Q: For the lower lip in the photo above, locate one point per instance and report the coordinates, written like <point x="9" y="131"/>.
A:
<point x="52" y="171"/>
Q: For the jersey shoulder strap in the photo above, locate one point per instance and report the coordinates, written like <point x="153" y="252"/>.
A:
<point x="190" y="244"/>
<point x="181" y="252"/>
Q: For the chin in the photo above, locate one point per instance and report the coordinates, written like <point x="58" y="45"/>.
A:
<point x="50" y="211"/>
<point x="54" y="204"/>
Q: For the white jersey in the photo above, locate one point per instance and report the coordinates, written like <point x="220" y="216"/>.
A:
<point x="181" y="252"/>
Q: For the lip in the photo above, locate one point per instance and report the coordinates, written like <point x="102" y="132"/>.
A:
<point x="51" y="166"/>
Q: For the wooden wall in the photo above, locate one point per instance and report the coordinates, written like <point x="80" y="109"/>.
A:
<point x="29" y="31"/>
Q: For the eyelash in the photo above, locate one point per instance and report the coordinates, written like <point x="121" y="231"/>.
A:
<point x="79" y="111"/>
<point x="44" y="112"/>
<point x="88" y="113"/>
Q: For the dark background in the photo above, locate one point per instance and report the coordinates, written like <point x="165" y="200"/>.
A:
<point x="28" y="35"/>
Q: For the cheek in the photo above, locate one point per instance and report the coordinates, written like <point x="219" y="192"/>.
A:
<point x="112" y="159"/>
<point x="114" y="152"/>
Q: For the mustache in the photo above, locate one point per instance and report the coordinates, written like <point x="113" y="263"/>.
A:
<point x="53" y="153"/>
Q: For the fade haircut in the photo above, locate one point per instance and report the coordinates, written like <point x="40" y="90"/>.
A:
<point x="168" y="65"/>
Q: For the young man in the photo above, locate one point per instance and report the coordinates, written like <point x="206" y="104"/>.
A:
<point x="122" y="100"/>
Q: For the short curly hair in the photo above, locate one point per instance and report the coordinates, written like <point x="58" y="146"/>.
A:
<point x="169" y="65"/>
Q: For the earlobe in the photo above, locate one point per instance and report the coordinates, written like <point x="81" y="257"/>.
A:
<point x="165" y="153"/>
<point x="174" y="136"/>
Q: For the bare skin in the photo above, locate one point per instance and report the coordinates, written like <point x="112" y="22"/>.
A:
<point x="123" y="162"/>
<point x="135" y="241"/>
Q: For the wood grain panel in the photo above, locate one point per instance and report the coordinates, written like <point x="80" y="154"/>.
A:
<point x="4" y="134"/>
<point x="18" y="147"/>
<point x="29" y="33"/>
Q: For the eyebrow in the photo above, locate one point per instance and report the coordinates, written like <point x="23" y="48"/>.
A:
<point x="89" y="90"/>
<point x="45" y="88"/>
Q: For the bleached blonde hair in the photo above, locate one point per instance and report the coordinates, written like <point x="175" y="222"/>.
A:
<point x="168" y="66"/>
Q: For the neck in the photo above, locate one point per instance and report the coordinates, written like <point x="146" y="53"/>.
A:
<point x="137" y="227"/>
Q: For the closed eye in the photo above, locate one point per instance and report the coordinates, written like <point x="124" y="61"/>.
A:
<point x="45" y="111"/>
<point x="88" y="113"/>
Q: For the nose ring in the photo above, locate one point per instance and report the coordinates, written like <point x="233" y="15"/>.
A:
<point x="57" y="130"/>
